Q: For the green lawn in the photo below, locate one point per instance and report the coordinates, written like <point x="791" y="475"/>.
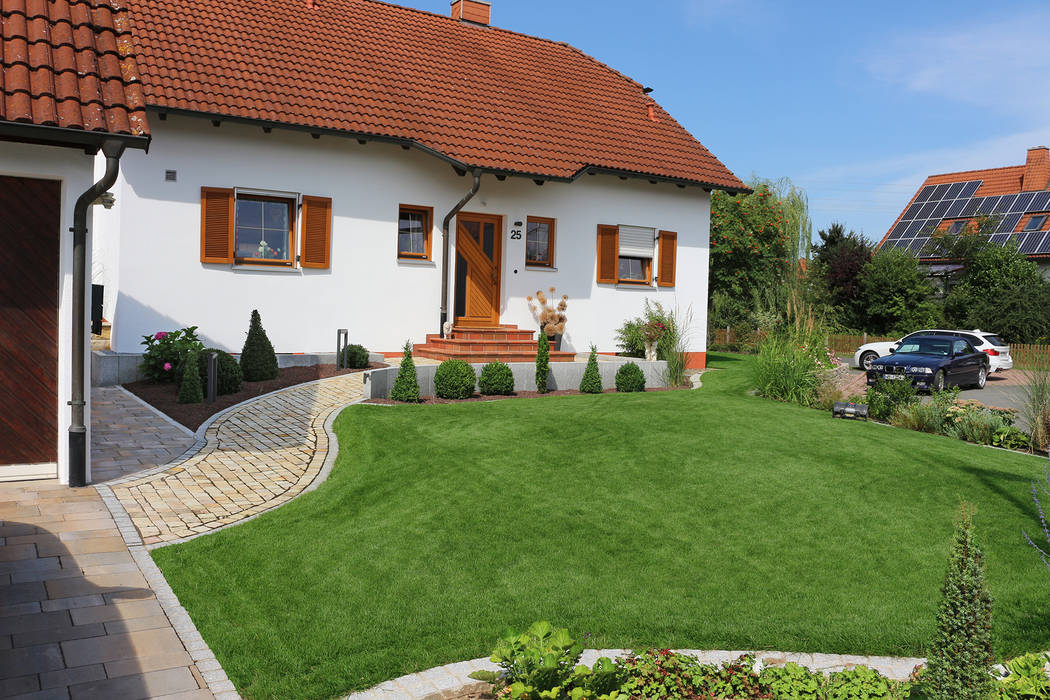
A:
<point x="698" y="519"/>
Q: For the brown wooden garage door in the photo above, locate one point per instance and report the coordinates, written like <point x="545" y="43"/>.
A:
<point x="29" y="249"/>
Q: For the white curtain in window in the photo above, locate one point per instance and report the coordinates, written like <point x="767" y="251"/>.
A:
<point x="637" y="241"/>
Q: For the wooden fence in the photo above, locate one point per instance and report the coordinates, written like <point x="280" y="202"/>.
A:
<point x="1025" y="356"/>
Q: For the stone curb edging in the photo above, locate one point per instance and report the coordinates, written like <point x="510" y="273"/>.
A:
<point x="454" y="679"/>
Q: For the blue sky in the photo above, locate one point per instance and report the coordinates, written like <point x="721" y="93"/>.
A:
<point x="855" y="102"/>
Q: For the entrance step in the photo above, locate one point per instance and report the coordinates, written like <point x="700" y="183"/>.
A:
<point x="483" y="345"/>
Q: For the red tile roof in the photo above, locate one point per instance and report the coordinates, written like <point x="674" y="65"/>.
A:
<point x="481" y="96"/>
<point x="68" y="63"/>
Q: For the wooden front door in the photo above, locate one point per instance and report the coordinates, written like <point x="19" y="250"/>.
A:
<point x="29" y="250"/>
<point x="478" y="254"/>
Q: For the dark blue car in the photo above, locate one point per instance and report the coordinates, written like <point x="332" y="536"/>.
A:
<point x="933" y="362"/>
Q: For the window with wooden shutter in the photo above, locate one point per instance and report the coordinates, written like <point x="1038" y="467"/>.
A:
<point x="668" y="258"/>
<point x="217" y="217"/>
<point x="316" y="233"/>
<point x="608" y="254"/>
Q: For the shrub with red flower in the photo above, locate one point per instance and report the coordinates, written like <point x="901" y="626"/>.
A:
<point x="166" y="351"/>
<point x="752" y="246"/>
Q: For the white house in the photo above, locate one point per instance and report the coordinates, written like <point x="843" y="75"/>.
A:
<point x="67" y="92"/>
<point x="307" y="155"/>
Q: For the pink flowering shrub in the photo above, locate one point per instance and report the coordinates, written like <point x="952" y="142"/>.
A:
<point x="166" y="351"/>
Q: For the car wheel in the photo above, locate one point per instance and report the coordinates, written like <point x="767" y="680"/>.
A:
<point x="938" y="381"/>
<point x="982" y="378"/>
<point x="867" y="358"/>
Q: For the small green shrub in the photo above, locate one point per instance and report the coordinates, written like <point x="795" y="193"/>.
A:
<point x="539" y="660"/>
<point x="1025" y="678"/>
<point x="795" y="682"/>
<point x="190" y="388"/>
<point x="1011" y="438"/>
<point x="862" y="682"/>
<point x="592" y="378"/>
<point x="355" y="357"/>
<point x="631" y="336"/>
<point x="736" y="679"/>
<point x="229" y="376"/>
<point x="630" y="378"/>
<point x="974" y="423"/>
<point x="543" y="363"/>
<point x="258" y="360"/>
<point x="406" y="385"/>
<point x="454" y="379"/>
<point x="496" y="379"/>
<point x="166" y="352"/>
<point x="886" y="397"/>
<point x="658" y="674"/>
<point x="960" y="656"/>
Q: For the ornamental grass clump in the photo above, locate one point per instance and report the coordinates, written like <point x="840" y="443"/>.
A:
<point x="496" y="379"/>
<point x="406" y="386"/>
<point x="543" y="363"/>
<point x="548" y="313"/>
<point x="630" y="378"/>
<point x="592" y="378"/>
<point x="258" y="360"/>
<point x="961" y="657"/>
<point x="190" y="389"/>
<point x="454" y="379"/>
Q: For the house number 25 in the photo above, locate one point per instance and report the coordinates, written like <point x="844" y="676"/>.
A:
<point x="515" y="234"/>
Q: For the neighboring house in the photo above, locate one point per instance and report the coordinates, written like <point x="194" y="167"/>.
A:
<point x="68" y="91"/>
<point x="1018" y="196"/>
<point x="355" y="164"/>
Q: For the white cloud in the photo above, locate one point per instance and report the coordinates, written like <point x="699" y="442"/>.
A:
<point x="999" y="65"/>
<point x="869" y="195"/>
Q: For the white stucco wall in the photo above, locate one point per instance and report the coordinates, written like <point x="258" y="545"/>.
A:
<point x="161" y="283"/>
<point x="74" y="169"/>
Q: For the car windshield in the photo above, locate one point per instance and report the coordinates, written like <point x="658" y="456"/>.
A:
<point x="994" y="340"/>
<point x="927" y="346"/>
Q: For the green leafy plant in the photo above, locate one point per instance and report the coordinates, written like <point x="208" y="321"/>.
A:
<point x="658" y="674"/>
<point x="631" y="336"/>
<point x="228" y="372"/>
<point x="1011" y="438"/>
<point x="974" y="423"/>
<point x="166" y="352"/>
<point x="736" y="679"/>
<point x="190" y="388"/>
<point x="454" y="379"/>
<point x="929" y="417"/>
<point x="961" y="655"/>
<point x="406" y="385"/>
<point x="862" y="683"/>
<point x="258" y="360"/>
<point x="630" y="378"/>
<point x="884" y="398"/>
<point x="537" y="660"/>
<point x="496" y="379"/>
<point x="592" y="378"/>
<point x="1025" y="678"/>
<point x="794" y="682"/>
<point x="543" y="363"/>
<point x="355" y="356"/>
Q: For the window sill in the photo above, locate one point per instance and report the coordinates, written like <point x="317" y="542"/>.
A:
<point x="540" y="268"/>
<point x="634" y="285"/>
<point x="418" y="262"/>
<point x="247" y="267"/>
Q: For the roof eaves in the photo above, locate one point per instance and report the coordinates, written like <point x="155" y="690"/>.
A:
<point x="90" y="141"/>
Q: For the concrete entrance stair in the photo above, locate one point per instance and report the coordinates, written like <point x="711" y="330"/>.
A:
<point x="481" y="345"/>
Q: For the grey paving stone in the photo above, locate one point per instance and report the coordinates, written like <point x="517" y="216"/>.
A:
<point x="72" y="676"/>
<point x="136" y="687"/>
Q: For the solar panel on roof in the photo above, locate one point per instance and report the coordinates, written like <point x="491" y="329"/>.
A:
<point x="938" y="194"/>
<point x="913" y="227"/>
<point x="940" y="209"/>
<point x="1044" y="247"/>
<point x="954" y="190"/>
<point x="1041" y="202"/>
<point x="970" y="188"/>
<point x="898" y="231"/>
<point x="926" y="210"/>
<point x="1004" y="203"/>
<point x="1000" y="238"/>
<point x="912" y="212"/>
<point x="925" y="193"/>
<point x="972" y="206"/>
<point x="1022" y="202"/>
<point x="1009" y="223"/>
<point x="987" y="205"/>
<point x="955" y="209"/>
<point x="918" y="243"/>
<point x="1030" y="242"/>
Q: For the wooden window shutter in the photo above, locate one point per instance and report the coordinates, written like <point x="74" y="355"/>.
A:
<point x="316" y="232"/>
<point x="608" y="254"/>
<point x="668" y="258"/>
<point x="217" y="215"/>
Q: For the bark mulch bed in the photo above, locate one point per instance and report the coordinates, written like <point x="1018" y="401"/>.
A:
<point x="164" y="397"/>
<point x="427" y="400"/>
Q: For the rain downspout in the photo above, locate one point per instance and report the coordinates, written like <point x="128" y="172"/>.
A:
<point x="112" y="149"/>
<point x="445" y="247"/>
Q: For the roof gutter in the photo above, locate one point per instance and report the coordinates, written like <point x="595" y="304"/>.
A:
<point x="112" y="149"/>
<point x="90" y="141"/>
<point x="445" y="247"/>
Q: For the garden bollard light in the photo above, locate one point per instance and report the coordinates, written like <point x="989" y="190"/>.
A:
<point x="213" y="376"/>
<point x="342" y="340"/>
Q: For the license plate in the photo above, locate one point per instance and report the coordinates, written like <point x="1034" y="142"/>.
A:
<point x="894" y="377"/>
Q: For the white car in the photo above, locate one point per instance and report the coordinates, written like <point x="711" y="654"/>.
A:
<point x="998" y="352"/>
